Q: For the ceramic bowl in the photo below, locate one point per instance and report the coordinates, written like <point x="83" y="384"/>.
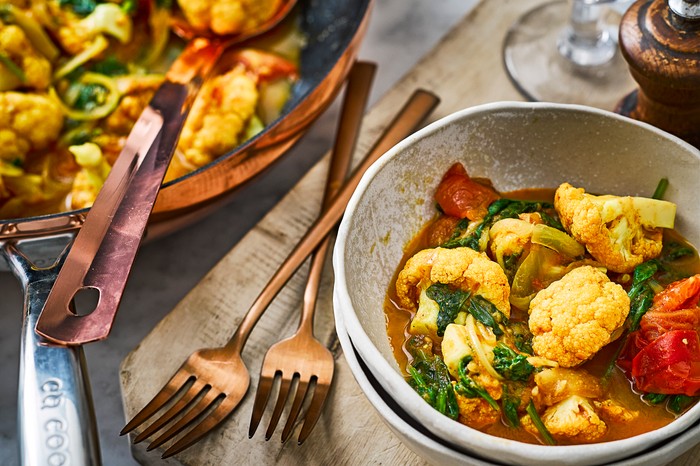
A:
<point x="437" y="451"/>
<point x="516" y="145"/>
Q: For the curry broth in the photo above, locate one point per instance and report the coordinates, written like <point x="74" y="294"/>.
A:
<point x="619" y="388"/>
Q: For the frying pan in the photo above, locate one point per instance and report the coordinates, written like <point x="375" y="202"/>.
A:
<point x="55" y="411"/>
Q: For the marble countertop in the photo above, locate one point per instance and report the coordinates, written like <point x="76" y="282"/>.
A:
<point x="400" y="33"/>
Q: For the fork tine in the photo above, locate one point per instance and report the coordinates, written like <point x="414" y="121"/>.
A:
<point x="174" y="385"/>
<point x="184" y="401"/>
<point x="279" y="406"/>
<point x="314" y="410"/>
<point x="302" y="387"/>
<point x="208" y="423"/>
<point x="261" y="398"/>
<point x="209" y="397"/>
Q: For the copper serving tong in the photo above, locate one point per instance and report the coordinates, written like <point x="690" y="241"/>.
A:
<point x="104" y="249"/>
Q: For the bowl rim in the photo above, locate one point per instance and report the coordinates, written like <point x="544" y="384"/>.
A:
<point x="394" y="383"/>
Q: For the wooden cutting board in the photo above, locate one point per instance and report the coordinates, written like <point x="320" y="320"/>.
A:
<point x="465" y="69"/>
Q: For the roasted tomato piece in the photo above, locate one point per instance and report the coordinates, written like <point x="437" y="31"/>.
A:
<point x="675" y="308"/>
<point x="460" y="196"/>
<point x="669" y="365"/>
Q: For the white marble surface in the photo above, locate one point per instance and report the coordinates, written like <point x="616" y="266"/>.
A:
<point x="400" y="33"/>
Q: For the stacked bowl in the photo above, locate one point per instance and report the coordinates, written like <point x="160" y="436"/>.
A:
<point x="516" y="146"/>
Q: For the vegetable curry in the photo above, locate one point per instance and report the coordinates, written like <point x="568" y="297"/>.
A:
<point x="76" y="74"/>
<point x="553" y="317"/>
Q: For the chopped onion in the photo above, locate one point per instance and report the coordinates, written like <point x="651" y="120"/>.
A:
<point x="475" y="343"/>
<point x="34" y="32"/>
<point x="96" y="113"/>
<point x="98" y="46"/>
<point x="557" y="240"/>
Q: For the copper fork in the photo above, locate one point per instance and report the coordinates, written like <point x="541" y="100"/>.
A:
<point x="301" y="357"/>
<point x="212" y="382"/>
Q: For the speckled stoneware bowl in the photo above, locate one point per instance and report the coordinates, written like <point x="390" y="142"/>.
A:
<point x="516" y="145"/>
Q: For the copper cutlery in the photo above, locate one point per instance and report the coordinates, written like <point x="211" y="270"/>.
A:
<point x="212" y="382"/>
<point x="301" y="363"/>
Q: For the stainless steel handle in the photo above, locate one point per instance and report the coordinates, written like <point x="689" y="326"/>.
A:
<point x="56" y="421"/>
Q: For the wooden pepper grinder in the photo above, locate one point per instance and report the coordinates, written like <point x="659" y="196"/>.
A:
<point x="660" y="39"/>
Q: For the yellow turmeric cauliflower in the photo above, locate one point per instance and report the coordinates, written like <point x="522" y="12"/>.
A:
<point x="555" y="384"/>
<point x="219" y="117"/>
<point x="509" y="237"/>
<point x="228" y="16"/>
<point x="574" y="317"/>
<point x="136" y="93"/>
<point x="476" y="412"/>
<point x="92" y="175"/>
<point x="572" y="419"/>
<point x="619" y="232"/>
<point x="15" y="45"/>
<point x="462" y="268"/>
<point x="27" y="122"/>
<point x="77" y="34"/>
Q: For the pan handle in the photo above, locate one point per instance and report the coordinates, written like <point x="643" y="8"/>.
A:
<point x="56" y="421"/>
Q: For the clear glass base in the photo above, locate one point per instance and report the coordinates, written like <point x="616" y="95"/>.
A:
<point x="541" y="60"/>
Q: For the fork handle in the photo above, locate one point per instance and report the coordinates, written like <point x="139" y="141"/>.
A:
<point x="357" y="91"/>
<point x="409" y="118"/>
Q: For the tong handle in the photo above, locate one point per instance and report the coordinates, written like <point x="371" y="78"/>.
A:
<point x="56" y="420"/>
<point x="105" y="247"/>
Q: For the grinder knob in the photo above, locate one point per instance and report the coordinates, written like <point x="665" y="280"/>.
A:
<point x="660" y="39"/>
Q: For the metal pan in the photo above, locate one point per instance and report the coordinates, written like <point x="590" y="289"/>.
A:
<point x="56" y="419"/>
<point x="333" y="31"/>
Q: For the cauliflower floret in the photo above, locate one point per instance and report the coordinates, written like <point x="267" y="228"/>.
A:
<point x="136" y="93"/>
<point x="228" y="16"/>
<point x="463" y="268"/>
<point x="509" y="237"/>
<point x="91" y="177"/>
<point x="555" y="384"/>
<point x="610" y="411"/>
<point x="27" y="122"/>
<point x="576" y="316"/>
<point x="476" y="412"/>
<point x="572" y="419"/>
<point x="15" y="45"/>
<point x="76" y="34"/>
<point x="619" y="232"/>
<point x="219" y="116"/>
<point x="457" y="345"/>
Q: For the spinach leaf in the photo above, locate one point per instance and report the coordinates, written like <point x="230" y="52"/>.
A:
<point x="539" y="425"/>
<point x="89" y="96"/>
<point x="450" y="302"/>
<point x="80" y="7"/>
<point x="485" y="312"/>
<point x="431" y="380"/>
<point x="641" y="293"/>
<point x="111" y="66"/>
<point x="511" y="399"/>
<point x="654" y="398"/>
<point x="467" y="387"/>
<point x="500" y="209"/>
<point x="673" y="251"/>
<point x="522" y="336"/>
<point x="511" y="365"/>
<point x="678" y="403"/>
<point x="660" y="189"/>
